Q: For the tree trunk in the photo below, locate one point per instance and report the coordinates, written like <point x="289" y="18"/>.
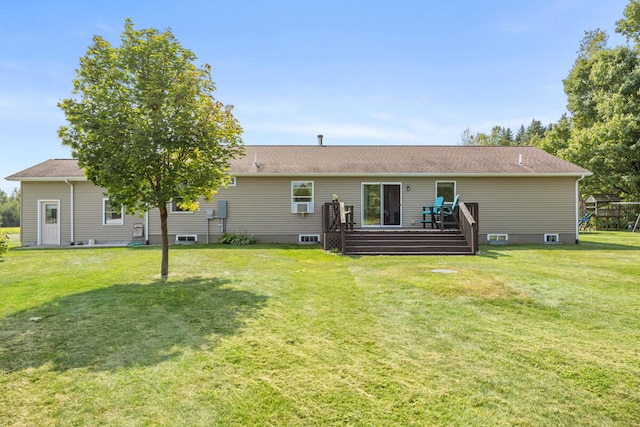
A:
<point x="164" y="269"/>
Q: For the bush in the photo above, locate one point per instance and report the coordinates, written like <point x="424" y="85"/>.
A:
<point x="4" y="244"/>
<point x="237" y="239"/>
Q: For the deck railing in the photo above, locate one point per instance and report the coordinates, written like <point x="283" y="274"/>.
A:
<point x="468" y="218"/>
<point x="336" y="220"/>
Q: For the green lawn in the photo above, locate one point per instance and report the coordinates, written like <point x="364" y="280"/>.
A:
<point x="293" y="336"/>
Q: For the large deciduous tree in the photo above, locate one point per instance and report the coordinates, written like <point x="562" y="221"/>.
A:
<point x="603" y="90"/>
<point x="145" y="126"/>
<point x="556" y="137"/>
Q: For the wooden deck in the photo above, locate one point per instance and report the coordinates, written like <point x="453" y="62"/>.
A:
<point x="406" y="242"/>
<point x="340" y="234"/>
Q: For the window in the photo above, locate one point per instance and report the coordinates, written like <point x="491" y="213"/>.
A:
<point x="186" y="238"/>
<point x="551" y="238"/>
<point x="176" y="207"/>
<point x="498" y="238"/>
<point x="446" y="189"/>
<point x="112" y="215"/>
<point x="232" y="182"/>
<point x="308" y="238"/>
<point x="51" y="214"/>
<point x="302" y="197"/>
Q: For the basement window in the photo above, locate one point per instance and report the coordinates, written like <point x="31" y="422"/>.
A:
<point x="186" y="238"/>
<point x="308" y="238"/>
<point x="497" y="238"/>
<point x="552" y="238"/>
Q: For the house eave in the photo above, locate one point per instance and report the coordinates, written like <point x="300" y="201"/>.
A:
<point x="348" y="175"/>
<point x="47" y="178"/>
<point x="417" y="174"/>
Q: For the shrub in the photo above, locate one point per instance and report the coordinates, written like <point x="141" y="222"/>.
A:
<point x="4" y="244"/>
<point x="237" y="239"/>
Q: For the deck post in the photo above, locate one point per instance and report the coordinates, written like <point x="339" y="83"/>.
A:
<point x="343" y="223"/>
<point x="337" y="219"/>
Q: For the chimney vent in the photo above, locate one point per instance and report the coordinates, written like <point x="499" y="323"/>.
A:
<point x="520" y="162"/>
<point x="320" y="140"/>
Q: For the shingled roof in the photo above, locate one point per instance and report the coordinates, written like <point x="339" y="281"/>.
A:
<point x="53" y="169"/>
<point x="401" y="160"/>
<point x="407" y="160"/>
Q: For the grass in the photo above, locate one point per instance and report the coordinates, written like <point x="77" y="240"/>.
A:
<point x="293" y="336"/>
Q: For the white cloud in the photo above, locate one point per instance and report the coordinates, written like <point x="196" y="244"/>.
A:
<point x="379" y="128"/>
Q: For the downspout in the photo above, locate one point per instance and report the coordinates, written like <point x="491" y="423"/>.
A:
<point x="146" y="227"/>
<point x="577" y="208"/>
<point x="21" y="216"/>
<point x="72" y="211"/>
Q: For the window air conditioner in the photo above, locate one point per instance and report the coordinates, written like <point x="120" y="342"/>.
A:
<point x="302" y="207"/>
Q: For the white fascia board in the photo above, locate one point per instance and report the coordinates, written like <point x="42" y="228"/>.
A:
<point x="48" y="178"/>
<point x="418" y="175"/>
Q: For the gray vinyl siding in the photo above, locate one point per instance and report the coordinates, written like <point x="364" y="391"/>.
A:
<point x="89" y="222"/>
<point x="31" y="194"/>
<point x="260" y="206"/>
<point x="422" y="194"/>
<point x="87" y="219"/>
<point x="524" y="207"/>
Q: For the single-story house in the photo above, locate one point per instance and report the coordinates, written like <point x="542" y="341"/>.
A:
<point x="523" y="194"/>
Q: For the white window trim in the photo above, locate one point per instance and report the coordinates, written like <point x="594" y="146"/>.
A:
<point x="308" y="239"/>
<point x="186" y="238"/>
<point x="555" y="238"/>
<point x="498" y="238"/>
<point x="455" y="189"/>
<point x="308" y="206"/>
<point x="232" y="182"/>
<point x="105" y="201"/>
<point x="172" y="208"/>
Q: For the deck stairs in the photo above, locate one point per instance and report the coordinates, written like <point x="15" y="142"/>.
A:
<point x="406" y="242"/>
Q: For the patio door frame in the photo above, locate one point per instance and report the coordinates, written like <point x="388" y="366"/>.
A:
<point x="42" y="212"/>
<point x="385" y="210"/>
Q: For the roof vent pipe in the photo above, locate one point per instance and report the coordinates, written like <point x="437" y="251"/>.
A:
<point x="320" y="140"/>
<point x="520" y="160"/>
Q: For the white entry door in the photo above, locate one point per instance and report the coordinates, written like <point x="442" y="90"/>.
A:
<point x="50" y="223"/>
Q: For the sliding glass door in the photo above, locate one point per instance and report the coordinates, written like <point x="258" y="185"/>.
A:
<point x="381" y="204"/>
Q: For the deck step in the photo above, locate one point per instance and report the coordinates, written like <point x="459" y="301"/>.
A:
<point x="406" y="243"/>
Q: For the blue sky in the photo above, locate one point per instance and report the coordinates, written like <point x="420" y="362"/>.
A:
<point x="359" y="72"/>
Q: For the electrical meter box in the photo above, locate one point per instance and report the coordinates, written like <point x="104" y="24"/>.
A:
<point x="222" y="209"/>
